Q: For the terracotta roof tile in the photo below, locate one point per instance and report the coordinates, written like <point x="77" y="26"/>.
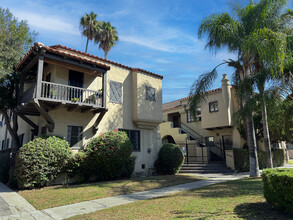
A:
<point x="56" y="49"/>
<point x="107" y="61"/>
<point x="175" y="104"/>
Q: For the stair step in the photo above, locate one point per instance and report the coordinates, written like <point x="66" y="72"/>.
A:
<point x="204" y="165"/>
<point x="203" y="168"/>
<point x="206" y="171"/>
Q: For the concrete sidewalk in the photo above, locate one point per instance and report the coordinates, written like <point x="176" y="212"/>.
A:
<point x="18" y="208"/>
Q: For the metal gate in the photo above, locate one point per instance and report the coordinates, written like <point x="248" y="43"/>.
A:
<point x="202" y="153"/>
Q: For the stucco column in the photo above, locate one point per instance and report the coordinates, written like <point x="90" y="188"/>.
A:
<point x="226" y="93"/>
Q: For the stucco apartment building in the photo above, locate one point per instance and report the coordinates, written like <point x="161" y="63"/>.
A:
<point x="211" y="133"/>
<point x="77" y="96"/>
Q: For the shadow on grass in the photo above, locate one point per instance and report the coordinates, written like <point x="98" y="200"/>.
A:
<point x="260" y="210"/>
<point x="125" y="186"/>
<point x="234" y="188"/>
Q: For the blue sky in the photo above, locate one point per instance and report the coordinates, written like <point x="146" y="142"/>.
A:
<point x="156" y="35"/>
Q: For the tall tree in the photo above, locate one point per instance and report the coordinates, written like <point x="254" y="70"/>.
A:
<point x="106" y="37"/>
<point x="89" y="27"/>
<point x="250" y="36"/>
<point x="15" y="40"/>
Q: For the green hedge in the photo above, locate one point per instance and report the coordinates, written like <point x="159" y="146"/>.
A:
<point x="241" y="159"/>
<point x="170" y="159"/>
<point x="106" y="157"/>
<point x="40" y="161"/>
<point x="278" y="188"/>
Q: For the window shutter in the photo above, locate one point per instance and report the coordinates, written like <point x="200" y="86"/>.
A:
<point x="115" y="92"/>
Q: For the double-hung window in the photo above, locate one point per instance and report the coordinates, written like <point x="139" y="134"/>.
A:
<point x="134" y="136"/>
<point x="213" y="106"/>
<point x="115" y="92"/>
<point x="74" y="135"/>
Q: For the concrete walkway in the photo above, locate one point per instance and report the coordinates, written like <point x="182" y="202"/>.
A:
<point x="13" y="206"/>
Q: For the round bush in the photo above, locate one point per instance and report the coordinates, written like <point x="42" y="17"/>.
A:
<point x="108" y="156"/>
<point x="40" y="161"/>
<point x="278" y="188"/>
<point x="170" y="159"/>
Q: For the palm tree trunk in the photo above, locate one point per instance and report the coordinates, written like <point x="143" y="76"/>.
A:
<point x="87" y="43"/>
<point x="266" y="135"/>
<point x="251" y="141"/>
<point x="106" y="55"/>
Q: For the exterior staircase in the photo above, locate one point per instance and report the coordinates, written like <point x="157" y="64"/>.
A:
<point x="194" y="168"/>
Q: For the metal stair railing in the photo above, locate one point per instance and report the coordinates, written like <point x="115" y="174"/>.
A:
<point x="191" y="132"/>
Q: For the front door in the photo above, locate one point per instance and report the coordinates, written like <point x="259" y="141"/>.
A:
<point x="75" y="79"/>
<point x="227" y="142"/>
<point x="175" y="120"/>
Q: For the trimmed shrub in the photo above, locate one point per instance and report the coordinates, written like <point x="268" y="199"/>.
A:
<point x="241" y="158"/>
<point x="278" y="188"/>
<point x="170" y="159"/>
<point x="279" y="157"/>
<point x="75" y="164"/>
<point x="40" y="161"/>
<point x="109" y="156"/>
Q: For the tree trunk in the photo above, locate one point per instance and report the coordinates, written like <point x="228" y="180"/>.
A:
<point x="266" y="134"/>
<point x="251" y="141"/>
<point x="87" y="43"/>
<point x="106" y="55"/>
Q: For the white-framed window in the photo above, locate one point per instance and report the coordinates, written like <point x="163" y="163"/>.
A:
<point x="115" y="92"/>
<point x="134" y="136"/>
<point x="190" y="117"/>
<point x="150" y="93"/>
<point x="213" y="106"/>
<point x="74" y="134"/>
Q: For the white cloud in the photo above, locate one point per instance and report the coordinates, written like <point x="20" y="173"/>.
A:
<point x="47" y="22"/>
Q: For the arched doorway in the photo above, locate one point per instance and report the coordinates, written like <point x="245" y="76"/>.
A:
<point x="168" y="140"/>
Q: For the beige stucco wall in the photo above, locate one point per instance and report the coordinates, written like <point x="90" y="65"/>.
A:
<point x="118" y="116"/>
<point x="230" y="159"/>
<point x="220" y="122"/>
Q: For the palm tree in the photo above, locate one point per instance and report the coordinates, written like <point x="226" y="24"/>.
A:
<point x="254" y="38"/>
<point x="88" y="26"/>
<point x="106" y="37"/>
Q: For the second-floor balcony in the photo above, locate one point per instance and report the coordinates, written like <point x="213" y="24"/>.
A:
<point x="60" y="93"/>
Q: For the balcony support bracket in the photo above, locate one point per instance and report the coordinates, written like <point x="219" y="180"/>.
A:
<point x="27" y="120"/>
<point x="50" y="123"/>
<point x="99" y="119"/>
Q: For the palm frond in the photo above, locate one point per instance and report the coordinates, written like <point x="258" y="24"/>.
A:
<point x="199" y="89"/>
<point x="223" y="31"/>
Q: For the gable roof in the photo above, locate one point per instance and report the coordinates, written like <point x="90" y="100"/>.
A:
<point x="86" y="57"/>
<point x="177" y="103"/>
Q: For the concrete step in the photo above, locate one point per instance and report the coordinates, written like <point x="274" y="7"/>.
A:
<point x="203" y="168"/>
<point x="203" y="165"/>
<point x="206" y="171"/>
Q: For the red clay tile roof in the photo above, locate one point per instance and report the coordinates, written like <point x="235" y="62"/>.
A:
<point x="168" y="105"/>
<point x="53" y="50"/>
<point x="82" y="56"/>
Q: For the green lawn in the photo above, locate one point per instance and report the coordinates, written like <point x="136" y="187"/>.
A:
<point x="290" y="162"/>
<point x="53" y="196"/>
<point x="240" y="199"/>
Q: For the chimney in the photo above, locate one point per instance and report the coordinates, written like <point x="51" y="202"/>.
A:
<point x="226" y="93"/>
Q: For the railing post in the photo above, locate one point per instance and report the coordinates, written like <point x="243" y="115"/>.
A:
<point x="186" y="152"/>
<point x="40" y="75"/>
<point x="104" y="86"/>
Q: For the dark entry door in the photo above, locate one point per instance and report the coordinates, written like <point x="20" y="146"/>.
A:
<point x="75" y="79"/>
<point x="227" y="142"/>
<point x="176" y="122"/>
